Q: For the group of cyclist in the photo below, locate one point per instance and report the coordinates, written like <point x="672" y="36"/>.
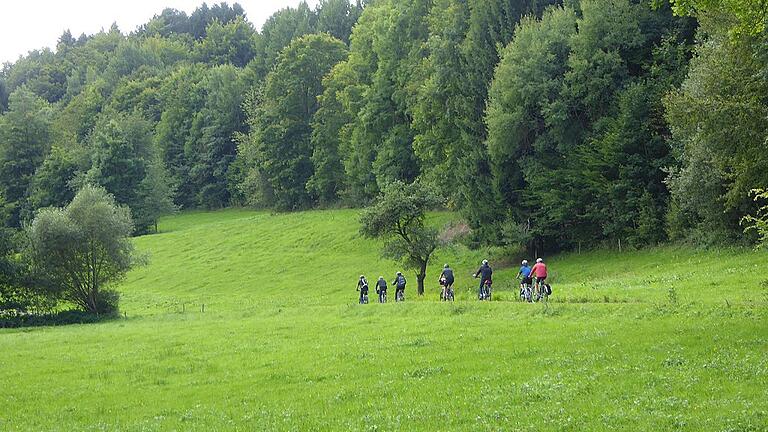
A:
<point x="381" y="288"/>
<point x="532" y="283"/>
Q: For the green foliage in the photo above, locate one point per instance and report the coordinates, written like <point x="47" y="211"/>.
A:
<point x="154" y="196"/>
<point x="544" y="122"/>
<point x="748" y="17"/>
<point x="232" y="43"/>
<point x="3" y="95"/>
<point x="25" y="136"/>
<point x="398" y="218"/>
<point x="337" y="17"/>
<point x="759" y="222"/>
<point x="171" y="22"/>
<point x="122" y="151"/>
<point x="83" y="248"/>
<point x="182" y="94"/>
<point x="52" y="185"/>
<point x="211" y="148"/>
<point x="278" y="32"/>
<point x="575" y="132"/>
<point x="281" y="119"/>
<point x="328" y="180"/>
<point x="718" y="120"/>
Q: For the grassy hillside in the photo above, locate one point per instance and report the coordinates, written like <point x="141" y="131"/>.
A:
<point x="282" y="344"/>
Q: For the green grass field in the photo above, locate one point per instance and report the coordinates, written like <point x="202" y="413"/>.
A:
<point x="658" y="340"/>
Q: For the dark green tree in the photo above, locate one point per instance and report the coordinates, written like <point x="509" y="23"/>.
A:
<point x="25" y="136"/>
<point x="211" y="148"/>
<point x="337" y="17"/>
<point x="181" y="95"/>
<point x="54" y="181"/>
<point x="281" y="123"/>
<point x="327" y="181"/>
<point x="154" y="197"/>
<point x="122" y="146"/>
<point x="280" y="29"/>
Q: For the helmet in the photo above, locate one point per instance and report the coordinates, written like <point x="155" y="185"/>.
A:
<point x="525" y="262"/>
<point x="362" y="276"/>
<point x="538" y="260"/>
<point x="485" y="261"/>
<point x="399" y="274"/>
<point x="446" y="266"/>
<point x="381" y="277"/>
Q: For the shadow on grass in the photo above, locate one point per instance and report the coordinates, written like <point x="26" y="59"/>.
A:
<point x="53" y="319"/>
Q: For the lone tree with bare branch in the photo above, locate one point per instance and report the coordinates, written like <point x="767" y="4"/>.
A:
<point x="397" y="217"/>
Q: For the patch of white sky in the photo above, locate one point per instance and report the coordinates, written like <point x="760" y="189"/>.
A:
<point x="35" y="24"/>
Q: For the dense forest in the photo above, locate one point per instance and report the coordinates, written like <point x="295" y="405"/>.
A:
<point x="547" y="124"/>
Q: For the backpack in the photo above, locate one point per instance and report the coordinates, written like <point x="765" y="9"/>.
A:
<point x="401" y="282"/>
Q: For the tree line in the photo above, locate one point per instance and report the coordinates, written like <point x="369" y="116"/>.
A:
<point x="548" y="124"/>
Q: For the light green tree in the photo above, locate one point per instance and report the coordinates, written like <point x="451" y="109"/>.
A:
<point x="83" y="248"/>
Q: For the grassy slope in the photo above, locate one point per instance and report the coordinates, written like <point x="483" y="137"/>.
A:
<point x="282" y="344"/>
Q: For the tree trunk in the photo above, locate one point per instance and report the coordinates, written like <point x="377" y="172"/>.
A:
<point x="421" y="276"/>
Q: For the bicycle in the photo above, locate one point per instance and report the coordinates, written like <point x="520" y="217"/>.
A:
<point x="364" y="298"/>
<point x="399" y="295"/>
<point x="382" y="296"/>
<point x="541" y="291"/>
<point x="485" y="291"/>
<point x="446" y="293"/>
<point x="525" y="292"/>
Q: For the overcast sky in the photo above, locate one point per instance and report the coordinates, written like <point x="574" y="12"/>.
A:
<point x="33" y="24"/>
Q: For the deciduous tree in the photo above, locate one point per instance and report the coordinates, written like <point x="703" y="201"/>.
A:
<point x="83" y="248"/>
<point x="397" y="217"/>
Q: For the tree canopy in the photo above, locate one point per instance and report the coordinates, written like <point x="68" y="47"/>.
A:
<point x="546" y="124"/>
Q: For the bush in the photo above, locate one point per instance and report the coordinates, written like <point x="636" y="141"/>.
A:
<point x="12" y="319"/>
<point x="107" y="302"/>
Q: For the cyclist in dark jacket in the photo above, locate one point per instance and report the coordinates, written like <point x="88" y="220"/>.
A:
<point x="399" y="284"/>
<point x="446" y="280"/>
<point x="484" y="273"/>
<point x="381" y="289"/>
<point x="447" y="276"/>
<point x="362" y="286"/>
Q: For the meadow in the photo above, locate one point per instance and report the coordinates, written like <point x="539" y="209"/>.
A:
<point x="670" y="338"/>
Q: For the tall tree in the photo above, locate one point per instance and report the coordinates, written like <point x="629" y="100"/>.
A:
<point x="337" y="17"/>
<point x="719" y="119"/>
<point x="122" y="146"/>
<point x="154" y="197"/>
<point x="182" y="95"/>
<point x="231" y="43"/>
<point x="576" y="134"/>
<point x="211" y="147"/>
<point x="280" y="29"/>
<point x="281" y="123"/>
<point x="25" y="135"/>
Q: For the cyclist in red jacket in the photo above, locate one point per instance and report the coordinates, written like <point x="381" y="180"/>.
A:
<point x="539" y="273"/>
